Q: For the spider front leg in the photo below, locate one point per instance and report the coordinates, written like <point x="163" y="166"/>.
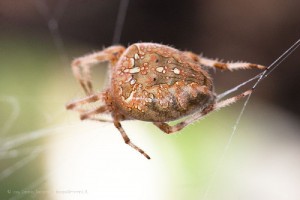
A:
<point x="85" y="114"/>
<point x="90" y="99"/>
<point x="81" y="66"/>
<point x="197" y="116"/>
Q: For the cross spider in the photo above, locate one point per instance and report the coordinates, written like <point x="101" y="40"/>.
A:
<point x="152" y="82"/>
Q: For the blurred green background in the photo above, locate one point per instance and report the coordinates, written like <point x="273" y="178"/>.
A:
<point x="46" y="152"/>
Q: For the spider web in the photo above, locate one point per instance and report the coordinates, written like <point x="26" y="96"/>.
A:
<point x="260" y="77"/>
<point x="11" y="146"/>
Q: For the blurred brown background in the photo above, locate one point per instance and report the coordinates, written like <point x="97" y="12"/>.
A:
<point x="257" y="31"/>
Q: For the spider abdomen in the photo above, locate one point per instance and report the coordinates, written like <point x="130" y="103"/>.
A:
<point x="153" y="82"/>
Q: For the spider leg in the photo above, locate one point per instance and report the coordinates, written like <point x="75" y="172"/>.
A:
<point x="101" y="109"/>
<point x="216" y="64"/>
<point x="100" y="120"/>
<point x="90" y="99"/>
<point x="197" y="116"/>
<point x="228" y="65"/>
<point x="127" y="140"/>
<point x="81" y="66"/>
<point x="88" y="114"/>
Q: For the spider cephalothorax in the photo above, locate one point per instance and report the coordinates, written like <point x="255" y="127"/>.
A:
<point x="152" y="82"/>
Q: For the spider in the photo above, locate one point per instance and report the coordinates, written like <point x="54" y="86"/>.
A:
<point x="152" y="82"/>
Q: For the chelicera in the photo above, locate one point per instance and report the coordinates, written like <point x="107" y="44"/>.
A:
<point x="152" y="82"/>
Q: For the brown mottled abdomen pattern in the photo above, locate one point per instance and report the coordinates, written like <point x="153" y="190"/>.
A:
<point x="158" y="83"/>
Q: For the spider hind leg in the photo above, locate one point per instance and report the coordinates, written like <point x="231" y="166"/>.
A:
<point x="199" y="115"/>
